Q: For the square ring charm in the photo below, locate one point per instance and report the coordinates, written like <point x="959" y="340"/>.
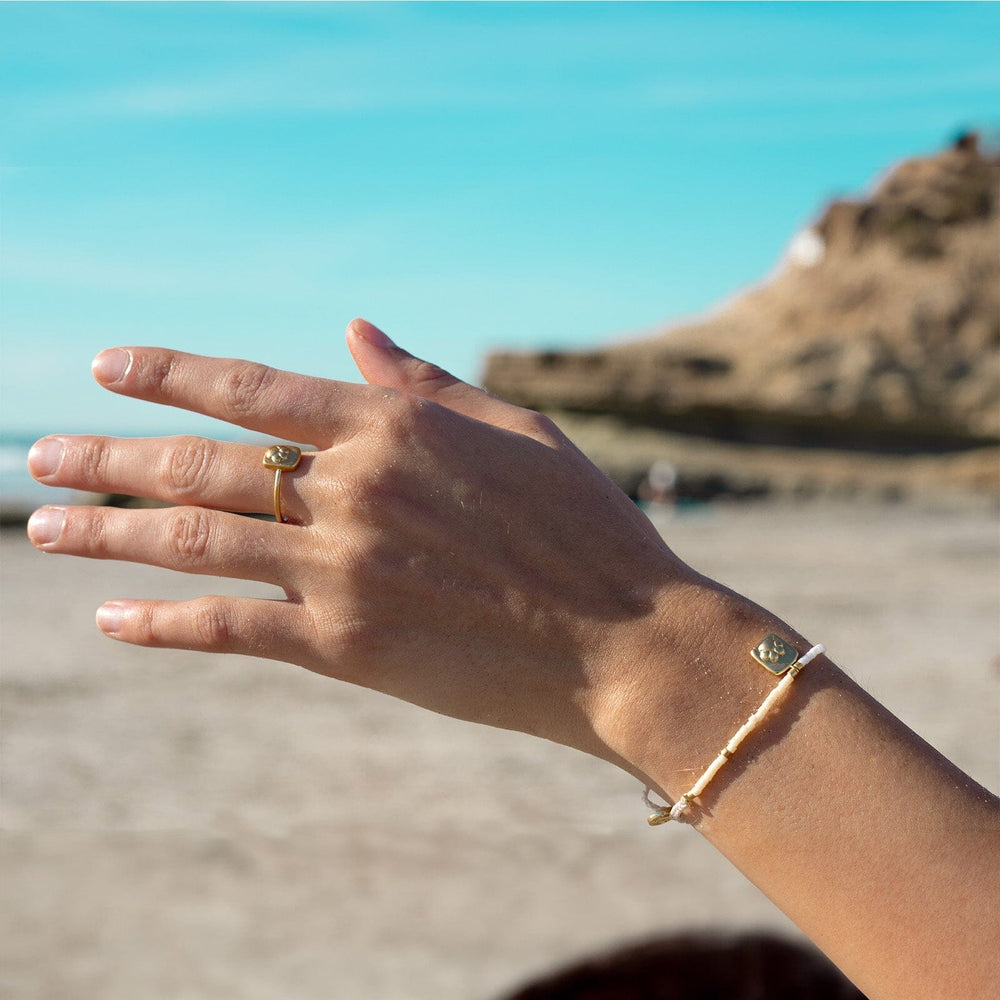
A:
<point x="282" y="456"/>
<point x="774" y="654"/>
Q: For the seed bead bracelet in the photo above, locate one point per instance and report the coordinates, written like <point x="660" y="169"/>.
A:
<point x="776" y="656"/>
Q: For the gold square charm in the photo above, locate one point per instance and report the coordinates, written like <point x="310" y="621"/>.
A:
<point x="774" y="654"/>
<point x="282" y="456"/>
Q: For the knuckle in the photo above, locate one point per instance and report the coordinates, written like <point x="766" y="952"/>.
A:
<point x="187" y="467"/>
<point x="539" y="426"/>
<point x="366" y="499"/>
<point x="212" y="624"/>
<point x="353" y="637"/>
<point x="354" y="557"/>
<point x="189" y="535"/>
<point x="428" y="377"/>
<point x="148" y="628"/>
<point x="402" y="417"/>
<point x="385" y="421"/>
<point x="98" y="528"/>
<point x="157" y="373"/>
<point x="93" y="459"/>
<point x="243" y="385"/>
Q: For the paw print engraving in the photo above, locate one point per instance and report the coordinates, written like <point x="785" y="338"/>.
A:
<point x="774" y="654"/>
<point x="282" y="456"/>
<point x="771" y="650"/>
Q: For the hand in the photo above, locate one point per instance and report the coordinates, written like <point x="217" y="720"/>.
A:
<point x="445" y="547"/>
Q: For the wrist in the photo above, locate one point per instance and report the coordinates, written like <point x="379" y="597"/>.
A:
<point x="684" y="682"/>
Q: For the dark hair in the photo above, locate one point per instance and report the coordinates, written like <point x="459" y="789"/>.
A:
<point x="699" y="967"/>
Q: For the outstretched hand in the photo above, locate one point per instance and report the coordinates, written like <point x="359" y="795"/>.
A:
<point x="453" y="550"/>
<point x="443" y="546"/>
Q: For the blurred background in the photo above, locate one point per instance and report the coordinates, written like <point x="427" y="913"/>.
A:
<point x="746" y="255"/>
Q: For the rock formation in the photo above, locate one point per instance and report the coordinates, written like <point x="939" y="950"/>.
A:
<point x="879" y="335"/>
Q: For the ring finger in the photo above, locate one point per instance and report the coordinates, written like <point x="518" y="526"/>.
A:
<point x="188" y="539"/>
<point x="181" y="470"/>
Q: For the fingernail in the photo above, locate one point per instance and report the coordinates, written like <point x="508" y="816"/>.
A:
<point x="110" y="617"/>
<point x="111" y="366"/>
<point x="45" y="456"/>
<point x="374" y="336"/>
<point x="45" y="525"/>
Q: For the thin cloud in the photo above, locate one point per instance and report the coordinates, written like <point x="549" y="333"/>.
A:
<point x="812" y="91"/>
<point x="331" y="84"/>
<point x="286" y="264"/>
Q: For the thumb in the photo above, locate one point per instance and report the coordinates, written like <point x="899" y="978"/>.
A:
<point x="382" y="362"/>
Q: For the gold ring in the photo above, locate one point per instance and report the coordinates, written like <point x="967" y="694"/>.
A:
<point x="281" y="458"/>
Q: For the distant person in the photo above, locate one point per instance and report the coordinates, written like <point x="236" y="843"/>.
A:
<point x="659" y="488"/>
<point x="458" y="552"/>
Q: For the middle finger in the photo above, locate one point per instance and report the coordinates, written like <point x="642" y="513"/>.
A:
<point x="180" y="470"/>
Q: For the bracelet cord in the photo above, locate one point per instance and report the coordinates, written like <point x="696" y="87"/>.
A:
<point x="665" y="813"/>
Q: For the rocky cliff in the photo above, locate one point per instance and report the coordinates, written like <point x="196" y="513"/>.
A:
<point x="879" y="335"/>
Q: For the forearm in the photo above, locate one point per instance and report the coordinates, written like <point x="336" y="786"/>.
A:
<point x="881" y="851"/>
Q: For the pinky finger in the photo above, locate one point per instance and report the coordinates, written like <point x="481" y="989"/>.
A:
<point x="273" y="629"/>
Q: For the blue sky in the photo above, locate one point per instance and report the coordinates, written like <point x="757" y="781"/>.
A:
<point x="242" y="179"/>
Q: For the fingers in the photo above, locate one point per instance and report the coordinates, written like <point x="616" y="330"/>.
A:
<point x="297" y="407"/>
<point x="181" y="470"/>
<point x="188" y="539"/>
<point x="273" y="629"/>
<point x="381" y="362"/>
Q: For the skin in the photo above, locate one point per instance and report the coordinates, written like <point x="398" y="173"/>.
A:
<point x="458" y="552"/>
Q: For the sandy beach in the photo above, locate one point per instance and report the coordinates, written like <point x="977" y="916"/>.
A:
<point x="182" y="826"/>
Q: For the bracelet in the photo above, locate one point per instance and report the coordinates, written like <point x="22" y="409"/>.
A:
<point x="776" y="656"/>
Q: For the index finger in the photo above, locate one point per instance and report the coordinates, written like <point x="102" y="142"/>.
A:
<point x="299" y="408"/>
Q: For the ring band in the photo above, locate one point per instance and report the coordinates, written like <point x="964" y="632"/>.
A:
<point x="281" y="458"/>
